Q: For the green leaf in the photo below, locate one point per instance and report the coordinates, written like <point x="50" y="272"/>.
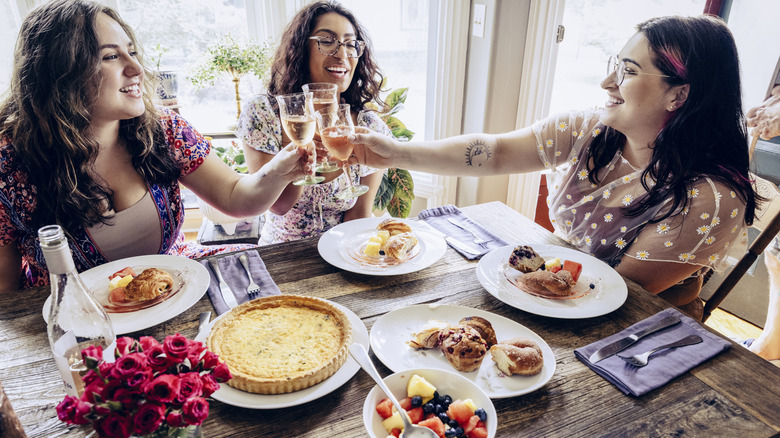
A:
<point x="399" y="207"/>
<point x="403" y="134"/>
<point x="403" y="183"/>
<point x="384" y="194"/>
<point x="397" y="97"/>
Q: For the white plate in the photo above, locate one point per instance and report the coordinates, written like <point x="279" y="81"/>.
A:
<point x="391" y="332"/>
<point x="610" y="292"/>
<point x="232" y="396"/>
<point x="446" y="383"/>
<point x="191" y="276"/>
<point x="332" y="247"/>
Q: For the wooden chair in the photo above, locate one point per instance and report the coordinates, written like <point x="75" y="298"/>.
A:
<point x="767" y="220"/>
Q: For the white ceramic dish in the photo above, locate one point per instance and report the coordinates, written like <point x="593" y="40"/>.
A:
<point x="446" y="383"/>
<point x="391" y="331"/>
<point x="236" y="397"/>
<point x="336" y="245"/>
<point x="609" y="294"/>
<point x="189" y="275"/>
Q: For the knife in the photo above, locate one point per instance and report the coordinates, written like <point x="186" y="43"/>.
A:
<point x="622" y="344"/>
<point x="462" y="246"/>
<point x="224" y="289"/>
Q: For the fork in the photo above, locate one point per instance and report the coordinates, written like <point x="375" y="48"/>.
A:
<point x="477" y="239"/>
<point x="640" y="360"/>
<point x="253" y="289"/>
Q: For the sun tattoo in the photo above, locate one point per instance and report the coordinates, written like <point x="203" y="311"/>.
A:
<point x="477" y="153"/>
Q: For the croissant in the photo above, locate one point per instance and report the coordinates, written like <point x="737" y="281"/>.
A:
<point x="399" y="246"/>
<point x="148" y="285"/>
<point x="394" y="226"/>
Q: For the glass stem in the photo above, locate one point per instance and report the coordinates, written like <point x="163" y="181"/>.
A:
<point x="349" y="177"/>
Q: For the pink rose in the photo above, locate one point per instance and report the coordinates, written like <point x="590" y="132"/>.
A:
<point x="191" y="386"/>
<point x="140" y="377"/>
<point x="114" y="426"/>
<point x="92" y="355"/>
<point x="66" y="409"/>
<point x="101" y="409"/>
<point x="195" y="410"/>
<point x="128" y="365"/>
<point x="222" y="373"/>
<point x="174" y="419"/>
<point x="103" y="370"/>
<point x="157" y="358"/>
<point x="148" y="342"/>
<point x="124" y="346"/>
<point x="209" y="384"/>
<point x="82" y="410"/>
<point x="148" y="418"/>
<point x="175" y="347"/>
<point x="210" y="360"/>
<point x="163" y="388"/>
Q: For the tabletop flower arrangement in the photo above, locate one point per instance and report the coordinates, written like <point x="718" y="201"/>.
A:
<point x="152" y="389"/>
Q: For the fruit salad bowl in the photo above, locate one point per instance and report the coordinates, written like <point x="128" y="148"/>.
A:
<point x="445" y="383"/>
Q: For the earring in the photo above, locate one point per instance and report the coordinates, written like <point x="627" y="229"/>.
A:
<point x="671" y="108"/>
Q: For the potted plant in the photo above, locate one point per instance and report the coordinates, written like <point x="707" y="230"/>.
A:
<point x="234" y="58"/>
<point x="168" y="80"/>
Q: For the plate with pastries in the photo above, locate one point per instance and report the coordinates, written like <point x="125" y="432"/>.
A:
<point x="381" y="246"/>
<point x="552" y="281"/>
<point x="501" y="356"/>
<point x="143" y="291"/>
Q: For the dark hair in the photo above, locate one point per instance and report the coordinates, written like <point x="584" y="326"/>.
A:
<point x="707" y="135"/>
<point x="290" y="66"/>
<point x="48" y="112"/>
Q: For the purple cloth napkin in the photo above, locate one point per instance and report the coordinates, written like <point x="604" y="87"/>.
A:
<point x="437" y="218"/>
<point x="664" y="365"/>
<point x="235" y="276"/>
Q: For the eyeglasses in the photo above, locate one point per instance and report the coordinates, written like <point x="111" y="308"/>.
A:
<point x="329" y="46"/>
<point x="615" y="65"/>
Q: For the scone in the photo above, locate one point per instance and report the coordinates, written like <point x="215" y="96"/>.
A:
<point x="428" y="337"/>
<point x="394" y="226"/>
<point x="399" y="246"/>
<point x="525" y="259"/>
<point x="148" y="285"/>
<point x="463" y="347"/>
<point x="483" y="326"/>
<point x="518" y="356"/>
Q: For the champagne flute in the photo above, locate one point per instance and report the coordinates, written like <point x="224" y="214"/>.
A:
<point x="324" y="97"/>
<point x="335" y="128"/>
<point x="298" y="122"/>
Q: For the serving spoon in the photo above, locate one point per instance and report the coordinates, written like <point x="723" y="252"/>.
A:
<point x="410" y="430"/>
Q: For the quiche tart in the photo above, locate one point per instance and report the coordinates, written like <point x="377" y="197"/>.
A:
<point x="281" y="343"/>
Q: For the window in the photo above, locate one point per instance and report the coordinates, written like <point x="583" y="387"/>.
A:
<point x="9" y="27"/>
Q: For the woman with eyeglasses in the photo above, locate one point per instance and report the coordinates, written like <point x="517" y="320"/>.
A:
<point x="323" y="43"/>
<point x="655" y="183"/>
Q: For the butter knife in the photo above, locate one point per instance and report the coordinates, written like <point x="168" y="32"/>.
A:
<point x="224" y="289"/>
<point x="462" y="246"/>
<point x="622" y="344"/>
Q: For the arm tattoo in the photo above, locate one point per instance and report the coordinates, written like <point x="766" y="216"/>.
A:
<point x="477" y="153"/>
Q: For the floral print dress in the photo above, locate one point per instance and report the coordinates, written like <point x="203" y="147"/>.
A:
<point x="317" y="210"/>
<point x="591" y="216"/>
<point x="18" y="203"/>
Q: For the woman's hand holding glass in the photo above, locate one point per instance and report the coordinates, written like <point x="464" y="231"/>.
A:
<point x="335" y="129"/>
<point x="298" y="122"/>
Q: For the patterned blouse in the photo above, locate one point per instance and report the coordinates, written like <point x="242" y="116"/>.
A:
<point x="591" y="216"/>
<point x="18" y="202"/>
<point x="317" y="210"/>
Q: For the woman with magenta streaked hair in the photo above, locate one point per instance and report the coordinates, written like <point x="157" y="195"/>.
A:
<point x="655" y="183"/>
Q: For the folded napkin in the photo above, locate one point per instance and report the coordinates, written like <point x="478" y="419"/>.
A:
<point x="235" y="276"/>
<point x="437" y="218"/>
<point x="664" y="365"/>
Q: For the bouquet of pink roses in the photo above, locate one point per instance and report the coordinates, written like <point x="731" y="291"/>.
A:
<point x="151" y="389"/>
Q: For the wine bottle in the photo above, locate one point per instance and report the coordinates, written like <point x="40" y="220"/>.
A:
<point x="76" y="320"/>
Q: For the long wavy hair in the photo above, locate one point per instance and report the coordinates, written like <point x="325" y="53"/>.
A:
<point x="48" y="110"/>
<point x="290" y="66"/>
<point x="707" y="135"/>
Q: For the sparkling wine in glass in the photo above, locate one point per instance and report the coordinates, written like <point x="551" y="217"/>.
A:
<point x="324" y="98"/>
<point x="335" y="129"/>
<point x="299" y="125"/>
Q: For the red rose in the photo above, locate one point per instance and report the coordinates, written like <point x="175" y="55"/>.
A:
<point x="174" y="419"/>
<point x="148" y="418"/>
<point x="195" y="410"/>
<point x="190" y="386"/>
<point x="157" y="358"/>
<point x="82" y="410"/>
<point x="148" y="342"/>
<point x="92" y="355"/>
<point x="163" y="388"/>
<point x="140" y="377"/>
<point x="114" y="426"/>
<point x="123" y="346"/>
<point x="94" y="388"/>
<point x="222" y="373"/>
<point x="66" y="409"/>
<point x="175" y="347"/>
<point x="209" y="384"/>
<point x="210" y="360"/>
<point x="128" y="365"/>
<point x="101" y="409"/>
<point x="126" y="397"/>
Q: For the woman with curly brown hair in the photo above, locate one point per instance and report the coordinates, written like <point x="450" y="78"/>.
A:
<point x="323" y="43"/>
<point x="82" y="146"/>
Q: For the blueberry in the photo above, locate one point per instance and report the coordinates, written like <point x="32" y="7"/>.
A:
<point x="459" y="431"/>
<point x="449" y="433"/>
<point x="416" y="401"/>
<point x="436" y="397"/>
<point x="592" y="286"/>
<point x="481" y="414"/>
<point x="429" y="408"/>
<point x="447" y="400"/>
<point x="453" y="424"/>
<point x="438" y="409"/>
<point x="444" y="418"/>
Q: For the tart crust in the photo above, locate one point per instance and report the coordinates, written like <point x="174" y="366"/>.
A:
<point x="281" y="343"/>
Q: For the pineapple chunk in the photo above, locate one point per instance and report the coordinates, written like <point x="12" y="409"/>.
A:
<point x="393" y="422"/>
<point x="376" y="239"/>
<point x="417" y="385"/>
<point x="384" y="235"/>
<point x="554" y="263"/>
<point x="372" y="249"/>
<point x="468" y="402"/>
<point x="118" y="281"/>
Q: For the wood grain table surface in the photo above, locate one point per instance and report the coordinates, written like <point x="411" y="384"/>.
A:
<point x="734" y="394"/>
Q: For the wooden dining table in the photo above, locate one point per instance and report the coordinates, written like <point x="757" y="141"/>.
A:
<point x="734" y="394"/>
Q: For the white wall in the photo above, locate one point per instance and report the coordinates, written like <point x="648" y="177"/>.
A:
<point x="756" y="28"/>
